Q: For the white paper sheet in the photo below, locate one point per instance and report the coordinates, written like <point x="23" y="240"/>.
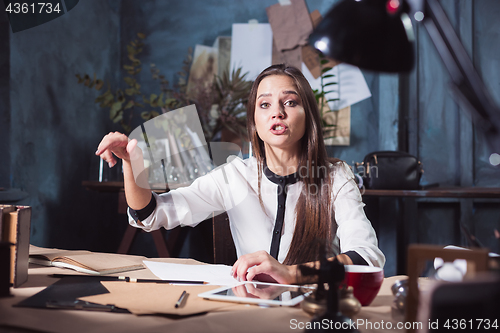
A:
<point x="213" y="274"/>
<point x="353" y="87"/>
<point x="251" y="48"/>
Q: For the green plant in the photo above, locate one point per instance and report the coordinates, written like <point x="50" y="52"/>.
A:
<point x="122" y="102"/>
<point x="322" y="100"/>
<point x="222" y="105"/>
<point x="228" y="110"/>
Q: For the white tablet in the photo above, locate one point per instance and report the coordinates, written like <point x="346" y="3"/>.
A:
<point x="260" y="293"/>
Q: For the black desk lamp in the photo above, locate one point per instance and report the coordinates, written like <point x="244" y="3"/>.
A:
<point x="378" y="35"/>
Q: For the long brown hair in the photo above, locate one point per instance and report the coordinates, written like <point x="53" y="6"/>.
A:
<point x="314" y="216"/>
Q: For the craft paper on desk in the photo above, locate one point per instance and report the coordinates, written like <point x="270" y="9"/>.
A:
<point x="352" y="87"/>
<point x="251" y="48"/>
<point x="85" y="261"/>
<point x="151" y="298"/>
<point x="64" y="293"/>
<point x="213" y="274"/>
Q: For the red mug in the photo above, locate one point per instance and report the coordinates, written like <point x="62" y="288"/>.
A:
<point x="365" y="280"/>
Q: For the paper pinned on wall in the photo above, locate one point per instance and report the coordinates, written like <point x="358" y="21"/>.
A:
<point x="251" y="48"/>
<point x="291" y="24"/>
<point x="203" y="69"/>
<point x="340" y="135"/>
<point x="290" y="57"/>
<point x="352" y="86"/>
<point x="223" y="46"/>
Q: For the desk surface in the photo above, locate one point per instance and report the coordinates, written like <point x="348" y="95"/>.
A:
<point x="255" y="319"/>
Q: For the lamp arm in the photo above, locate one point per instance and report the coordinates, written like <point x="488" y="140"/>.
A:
<point x="466" y="82"/>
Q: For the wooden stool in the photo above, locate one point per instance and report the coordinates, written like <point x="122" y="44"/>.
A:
<point x="131" y="232"/>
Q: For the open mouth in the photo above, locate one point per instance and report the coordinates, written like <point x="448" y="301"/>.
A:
<point x="278" y="129"/>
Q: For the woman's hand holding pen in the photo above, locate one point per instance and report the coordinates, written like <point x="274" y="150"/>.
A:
<point x="263" y="267"/>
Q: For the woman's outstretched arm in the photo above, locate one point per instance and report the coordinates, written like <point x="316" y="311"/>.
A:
<point x="137" y="193"/>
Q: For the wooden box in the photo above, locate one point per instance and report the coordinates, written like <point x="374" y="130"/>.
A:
<point x="15" y="222"/>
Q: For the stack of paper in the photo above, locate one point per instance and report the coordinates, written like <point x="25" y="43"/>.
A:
<point x="212" y="274"/>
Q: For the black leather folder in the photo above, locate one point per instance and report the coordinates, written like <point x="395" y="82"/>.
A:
<point x="64" y="294"/>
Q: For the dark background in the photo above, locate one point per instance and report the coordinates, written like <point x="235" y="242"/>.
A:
<point x="50" y="125"/>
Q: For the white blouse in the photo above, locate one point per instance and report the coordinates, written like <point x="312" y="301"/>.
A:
<point x="234" y="189"/>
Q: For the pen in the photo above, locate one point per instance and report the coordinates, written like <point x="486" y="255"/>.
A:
<point x="129" y="279"/>
<point x="183" y="295"/>
<point x="164" y="281"/>
<point x="100" y="277"/>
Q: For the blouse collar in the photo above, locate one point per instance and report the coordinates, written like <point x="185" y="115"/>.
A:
<point x="280" y="180"/>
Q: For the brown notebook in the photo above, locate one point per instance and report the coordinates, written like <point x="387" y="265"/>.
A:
<point x="85" y="261"/>
<point x="15" y="224"/>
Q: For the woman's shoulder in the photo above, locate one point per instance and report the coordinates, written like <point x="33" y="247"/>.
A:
<point x="239" y="164"/>
<point x="340" y="173"/>
<point x="340" y="168"/>
<point x="238" y="161"/>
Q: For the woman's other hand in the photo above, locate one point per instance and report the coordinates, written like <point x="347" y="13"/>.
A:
<point x="261" y="266"/>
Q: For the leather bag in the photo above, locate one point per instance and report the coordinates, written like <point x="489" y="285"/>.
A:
<point x="391" y="170"/>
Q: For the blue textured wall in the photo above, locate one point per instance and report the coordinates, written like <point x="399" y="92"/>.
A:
<point x="55" y="126"/>
<point x="4" y="103"/>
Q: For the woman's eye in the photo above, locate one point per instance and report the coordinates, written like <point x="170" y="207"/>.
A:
<point x="290" y="103"/>
<point x="264" y="105"/>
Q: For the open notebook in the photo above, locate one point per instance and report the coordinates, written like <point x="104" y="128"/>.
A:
<point x="85" y="261"/>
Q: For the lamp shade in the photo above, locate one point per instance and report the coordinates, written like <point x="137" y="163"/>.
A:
<point x="369" y="34"/>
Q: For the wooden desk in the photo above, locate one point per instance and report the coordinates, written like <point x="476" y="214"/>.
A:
<point x="408" y="203"/>
<point x="255" y="319"/>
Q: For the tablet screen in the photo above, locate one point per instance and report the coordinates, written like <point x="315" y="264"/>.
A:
<point x="263" y="293"/>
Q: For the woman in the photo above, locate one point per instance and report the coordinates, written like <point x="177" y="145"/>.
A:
<point x="301" y="198"/>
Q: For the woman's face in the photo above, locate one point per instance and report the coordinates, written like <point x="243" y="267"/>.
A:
<point x="280" y="118"/>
